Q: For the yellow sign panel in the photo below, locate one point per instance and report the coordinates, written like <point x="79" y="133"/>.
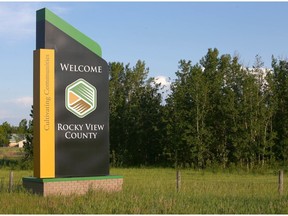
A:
<point x="44" y="113"/>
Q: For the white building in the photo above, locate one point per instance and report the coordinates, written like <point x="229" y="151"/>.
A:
<point x="17" y="140"/>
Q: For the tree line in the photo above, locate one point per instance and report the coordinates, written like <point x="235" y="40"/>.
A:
<point x="7" y="129"/>
<point x="217" y="113"/>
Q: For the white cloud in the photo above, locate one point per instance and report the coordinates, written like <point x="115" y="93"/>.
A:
<point x="165" y="84"/>
<point x="24" y="101"/>
<point x="18" y="20"/>
<point x="58" y="10"/>
<point x="14" y="110"/>
<point x="163" y="80"/>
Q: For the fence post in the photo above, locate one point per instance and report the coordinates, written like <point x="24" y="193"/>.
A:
<point x="178" y="180"/>
<point x="11" y="177"/>
<point x="280" y="182"/>
<point x="2" y="184"/>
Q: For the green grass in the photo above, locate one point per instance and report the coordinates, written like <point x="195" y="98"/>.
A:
<point x="10" y="153"/>
<point x="10" y="158"/>
<point x="153" y="191"/>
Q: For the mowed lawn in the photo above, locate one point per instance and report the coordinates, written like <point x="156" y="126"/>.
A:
<point x="153" y="191"/>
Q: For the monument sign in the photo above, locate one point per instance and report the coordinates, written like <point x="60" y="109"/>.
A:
<point x="74" y="97"/>
<point x="71" y="105"/>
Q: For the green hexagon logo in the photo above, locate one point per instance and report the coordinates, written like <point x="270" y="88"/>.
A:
<point x="80" y="98"/>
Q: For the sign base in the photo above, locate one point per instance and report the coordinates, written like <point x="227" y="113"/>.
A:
<point x="68" y="186"/>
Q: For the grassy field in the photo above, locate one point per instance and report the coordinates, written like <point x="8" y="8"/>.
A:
<point x="153" y="191"/>
<point x="10" y="158"/>
<point x="10" y="153"/>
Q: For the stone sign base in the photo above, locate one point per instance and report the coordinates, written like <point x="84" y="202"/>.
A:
<point x="68" y="186"/>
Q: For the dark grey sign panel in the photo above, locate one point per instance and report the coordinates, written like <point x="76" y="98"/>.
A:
<point x="81" y="105"/>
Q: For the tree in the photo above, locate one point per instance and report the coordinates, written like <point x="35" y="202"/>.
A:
<point x="28" y="144"/>
<point x="223" y="115"/>
<point x="280" y="120"/>
<point x="135" y="116"/>
<point x="23" y="127"/>
<point x="3" y="137"/>
<point x="264" y="111"/>
<point x="223" y="112"/>
<point x="5" y="132"/>
<point x="187" y="109"/>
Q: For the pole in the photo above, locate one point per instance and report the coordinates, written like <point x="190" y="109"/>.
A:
<point x="11" y="177"/>
<point x="178" y="180"/>
<point x="280" y="181"/>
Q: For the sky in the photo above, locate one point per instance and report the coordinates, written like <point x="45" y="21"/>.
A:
<point x="159" y="33"/>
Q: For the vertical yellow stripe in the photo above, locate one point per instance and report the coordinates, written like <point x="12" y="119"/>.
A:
<point x="44" y="113"/>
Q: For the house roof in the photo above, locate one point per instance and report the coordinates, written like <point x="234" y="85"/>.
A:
<point x="16" y="137"/>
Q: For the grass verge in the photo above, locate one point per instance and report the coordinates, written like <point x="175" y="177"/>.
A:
<point x="153" y="191"/>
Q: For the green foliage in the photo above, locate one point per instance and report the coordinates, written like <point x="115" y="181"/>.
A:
<point x="227" y="114"/>
<point x="28" y="144"/>
<point x="5" y="132"/>
<point x="135" y="116"/>
<point x="218" y="112"/>
<point x="280" y="78"/>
